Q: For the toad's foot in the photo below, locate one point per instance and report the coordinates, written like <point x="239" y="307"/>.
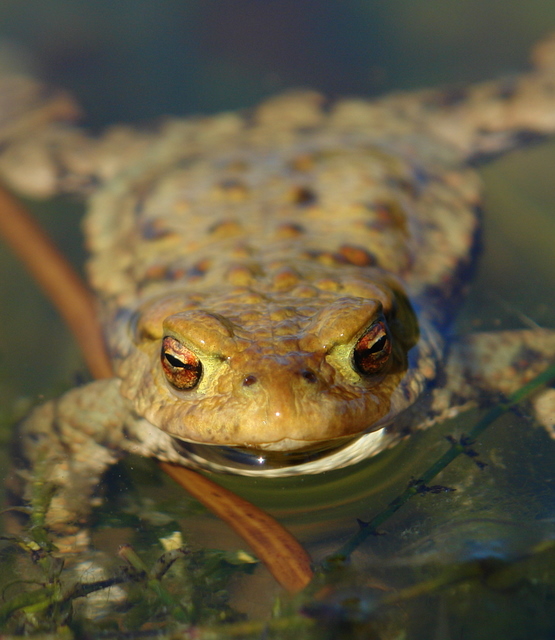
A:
<point x="70" y="442"/>
<point x="485" y="365"/>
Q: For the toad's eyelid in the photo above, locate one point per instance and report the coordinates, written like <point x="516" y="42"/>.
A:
<point x="364" y="331"/>
<point x="340" y="324"/>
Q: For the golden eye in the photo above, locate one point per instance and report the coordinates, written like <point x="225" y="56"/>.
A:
<point x="181" y="366"/>
<point x="372" y="351"/>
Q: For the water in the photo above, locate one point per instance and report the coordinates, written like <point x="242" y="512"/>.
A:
<point x="135" y="64"/>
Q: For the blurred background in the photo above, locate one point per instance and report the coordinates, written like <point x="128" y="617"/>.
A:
<point x="135" y="60"/>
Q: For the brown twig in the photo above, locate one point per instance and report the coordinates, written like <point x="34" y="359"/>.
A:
<point x="285" y="558"/>
<point x="58" y="280"/>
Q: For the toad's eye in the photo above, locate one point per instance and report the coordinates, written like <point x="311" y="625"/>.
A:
<point x="372" y="351"/>
<point x="181" y="366"/>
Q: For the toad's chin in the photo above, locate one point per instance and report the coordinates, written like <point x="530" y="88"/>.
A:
<point x="249" y="461"/>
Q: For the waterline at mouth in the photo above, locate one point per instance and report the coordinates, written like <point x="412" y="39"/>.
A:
<point x="251" y="459"/>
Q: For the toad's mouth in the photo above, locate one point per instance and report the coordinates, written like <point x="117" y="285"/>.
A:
<point x="255" y="461"/>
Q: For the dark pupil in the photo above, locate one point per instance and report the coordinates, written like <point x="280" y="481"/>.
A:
<point x="379" y="345"/>
<point x="175" y="362"/>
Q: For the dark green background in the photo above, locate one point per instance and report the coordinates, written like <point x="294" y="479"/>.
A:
<point x="138" y="59"/>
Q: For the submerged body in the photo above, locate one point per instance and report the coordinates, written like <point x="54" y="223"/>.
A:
<point x="275" y="286"/>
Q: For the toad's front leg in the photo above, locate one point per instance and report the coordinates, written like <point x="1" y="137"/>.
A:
<point x="70" y="442"/>
<point x="485" y="366"/>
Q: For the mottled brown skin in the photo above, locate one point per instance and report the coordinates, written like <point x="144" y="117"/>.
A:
<point x="275" y="282"/>
<point x="269" y="255"/>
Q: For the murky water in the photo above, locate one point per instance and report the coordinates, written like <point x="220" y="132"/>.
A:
<point x="194" y="56"/>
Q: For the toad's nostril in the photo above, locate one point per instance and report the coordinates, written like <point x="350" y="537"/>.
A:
<point x="249" y="380"/>
<point x="309" y="376"/>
